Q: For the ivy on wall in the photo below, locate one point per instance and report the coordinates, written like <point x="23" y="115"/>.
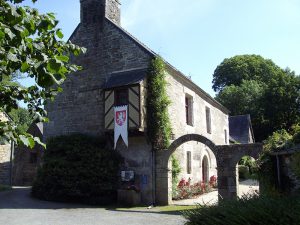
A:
<point x="158" y="123"/>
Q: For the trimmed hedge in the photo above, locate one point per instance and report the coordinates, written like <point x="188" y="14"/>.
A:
<point x="250" y="211"/>
<point x="78" y="168"/>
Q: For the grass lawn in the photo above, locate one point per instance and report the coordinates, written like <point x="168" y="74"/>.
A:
<point x="4" y="187"/>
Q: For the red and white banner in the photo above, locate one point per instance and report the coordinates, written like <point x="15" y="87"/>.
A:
<point x="121" y="124"/>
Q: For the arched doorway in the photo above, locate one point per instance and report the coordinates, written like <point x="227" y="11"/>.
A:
<point x="205" y="169"/>
<point x="163" y="166"/>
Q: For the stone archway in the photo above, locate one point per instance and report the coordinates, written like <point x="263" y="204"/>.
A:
<point x="227" y="157"/>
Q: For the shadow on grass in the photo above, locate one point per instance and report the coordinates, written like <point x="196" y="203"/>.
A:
<point x="5" y="188"/>
<point x="169" y="210"/>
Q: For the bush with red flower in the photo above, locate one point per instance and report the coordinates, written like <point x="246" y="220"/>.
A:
<point x="187" y="190"/>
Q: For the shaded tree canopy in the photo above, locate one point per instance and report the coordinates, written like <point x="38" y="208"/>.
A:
<point x="250" y="84"/>
<point x="31" y="44"/>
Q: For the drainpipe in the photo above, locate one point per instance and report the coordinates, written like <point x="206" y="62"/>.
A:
<point x="278" y="171"/>
<point x="12" y="149"/>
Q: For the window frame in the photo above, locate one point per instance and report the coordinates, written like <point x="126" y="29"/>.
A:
<point x="189" y="111"/>
<point x="189" y="162"/>
<point x="116" y="96"/>
<point x="208" y="120"/>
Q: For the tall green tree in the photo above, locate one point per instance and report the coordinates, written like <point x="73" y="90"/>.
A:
<point x="31" y="44"/>
<point x="232" y="71"/>
<point x="270" y="96"/>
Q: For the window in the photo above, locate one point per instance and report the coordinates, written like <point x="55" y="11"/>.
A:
<point x="121" y="97"/>
<point x="208" y="120"/>
<point x="189" y="162"/>
<point x="189" y="110"/>
<point x="226" y="137"/>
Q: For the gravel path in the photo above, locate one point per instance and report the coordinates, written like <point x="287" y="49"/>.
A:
<point x="18" y="208"/>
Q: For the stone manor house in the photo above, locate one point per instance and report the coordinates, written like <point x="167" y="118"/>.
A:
<point x="114" y="73"/>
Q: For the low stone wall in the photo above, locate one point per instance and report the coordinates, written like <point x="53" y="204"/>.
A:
<point x="5" y="164"/>
<point x="286" y="172"/>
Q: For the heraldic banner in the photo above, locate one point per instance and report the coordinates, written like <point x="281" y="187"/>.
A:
<point x="121" y="124"/>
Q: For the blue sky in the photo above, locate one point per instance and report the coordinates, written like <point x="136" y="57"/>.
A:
<point x="196" y="35"/>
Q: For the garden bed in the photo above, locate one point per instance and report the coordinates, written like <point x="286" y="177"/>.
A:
<point x="186" y="190"/>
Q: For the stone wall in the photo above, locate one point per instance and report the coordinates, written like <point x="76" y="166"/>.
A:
<point x="5" y="164"/>
<point x="177" y="91"/>
<point x="289" y="181"/>
<point x="138" y="158"/>
<point x="5" y="151"/>
<point x="80" y="107"/>
<point x="26" y="163"/>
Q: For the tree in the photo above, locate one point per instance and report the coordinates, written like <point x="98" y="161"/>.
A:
<point x="270" y="96"/>
<point x="31" y="44"/>
<point x="233" y="71"/>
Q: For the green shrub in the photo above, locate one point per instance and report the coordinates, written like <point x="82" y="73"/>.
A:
<point x="244" y="172"/>
<point x="279" y="139"/>
<point x="78" y="168"/>
<point x="176" y="169"/>
<point x="296" y="133"/>
<point x="250" y="211"/>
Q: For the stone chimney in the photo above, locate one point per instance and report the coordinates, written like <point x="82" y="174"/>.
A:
<point x="94" y="11"/>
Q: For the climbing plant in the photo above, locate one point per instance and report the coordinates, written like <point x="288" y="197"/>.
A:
<point x="158" y="121"/>
<point x="176" y="169"/>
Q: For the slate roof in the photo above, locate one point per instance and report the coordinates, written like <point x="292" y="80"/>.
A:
<point x="125" y="78"/>
<point x="179" y="74"/>
<point x="239" y="127"/>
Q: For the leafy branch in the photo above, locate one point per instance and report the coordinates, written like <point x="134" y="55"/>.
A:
<point x="31" y="44"/>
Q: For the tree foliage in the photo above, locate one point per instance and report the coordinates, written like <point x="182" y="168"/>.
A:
<point x="158" y="122"/>
<point x="233" y="71"/>
<point x="31" y="43"/>
<point x="250" y="84"/>
<point x="21" y="118"/>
